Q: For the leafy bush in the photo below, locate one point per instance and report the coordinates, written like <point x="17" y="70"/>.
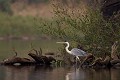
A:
<point x="87" y="27"/>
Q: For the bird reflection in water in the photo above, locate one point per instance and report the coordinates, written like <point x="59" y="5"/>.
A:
<point x="77" y="74"/>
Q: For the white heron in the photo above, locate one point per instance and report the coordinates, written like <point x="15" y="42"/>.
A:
<point x="75" y="51"/>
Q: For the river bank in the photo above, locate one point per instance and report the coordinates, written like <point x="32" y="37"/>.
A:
<point x="25" y="38"/>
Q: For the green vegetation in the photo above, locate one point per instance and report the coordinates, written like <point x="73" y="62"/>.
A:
<point x="19" y="26"/>
<point x="88" y="28"/>
<point x="5" y="6"/>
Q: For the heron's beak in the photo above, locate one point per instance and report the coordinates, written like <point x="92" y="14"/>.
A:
<point x="60" y="42"/>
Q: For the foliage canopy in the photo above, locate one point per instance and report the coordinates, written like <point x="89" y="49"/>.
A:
<point x="87" y="27"/>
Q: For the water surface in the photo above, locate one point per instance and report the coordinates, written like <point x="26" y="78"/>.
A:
<point x="56" y="73"/>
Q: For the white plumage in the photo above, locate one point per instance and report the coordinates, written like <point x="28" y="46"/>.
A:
<point x="75" y="51"/>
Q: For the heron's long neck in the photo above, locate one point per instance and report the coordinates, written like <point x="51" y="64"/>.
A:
<point x="67" y="48"/>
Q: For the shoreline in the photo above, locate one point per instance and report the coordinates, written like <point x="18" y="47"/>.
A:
<point x="25" y="38"/>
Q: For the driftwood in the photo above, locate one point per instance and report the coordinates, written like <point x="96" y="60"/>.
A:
<point x="17" y="61"/>
<point x="109" y="61"/>
<point x="43" y="60"/>
<point x="38" y="59"/>
<point x="114" y="50"/>
<point x="88" y="60"/>
<point x="100" y="63"/>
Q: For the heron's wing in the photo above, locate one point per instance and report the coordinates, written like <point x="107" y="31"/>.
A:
<point x="78" y="52"/>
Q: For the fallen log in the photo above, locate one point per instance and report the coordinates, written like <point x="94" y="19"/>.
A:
<point x="88" y="60"/>
<point x="106" y="62"/>
<point x="17" y="61"/>
<point x="42" y="60"/>
<point x="115" y="61"/>
<point x="38" y="59"/>
<point x="109" y="61"/>
<point x="97" y="63"/>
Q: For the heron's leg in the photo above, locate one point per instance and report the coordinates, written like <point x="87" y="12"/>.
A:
<point x="78" y="59"/>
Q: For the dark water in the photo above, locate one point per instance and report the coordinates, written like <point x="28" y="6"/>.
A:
<point x="56" y="73"/>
